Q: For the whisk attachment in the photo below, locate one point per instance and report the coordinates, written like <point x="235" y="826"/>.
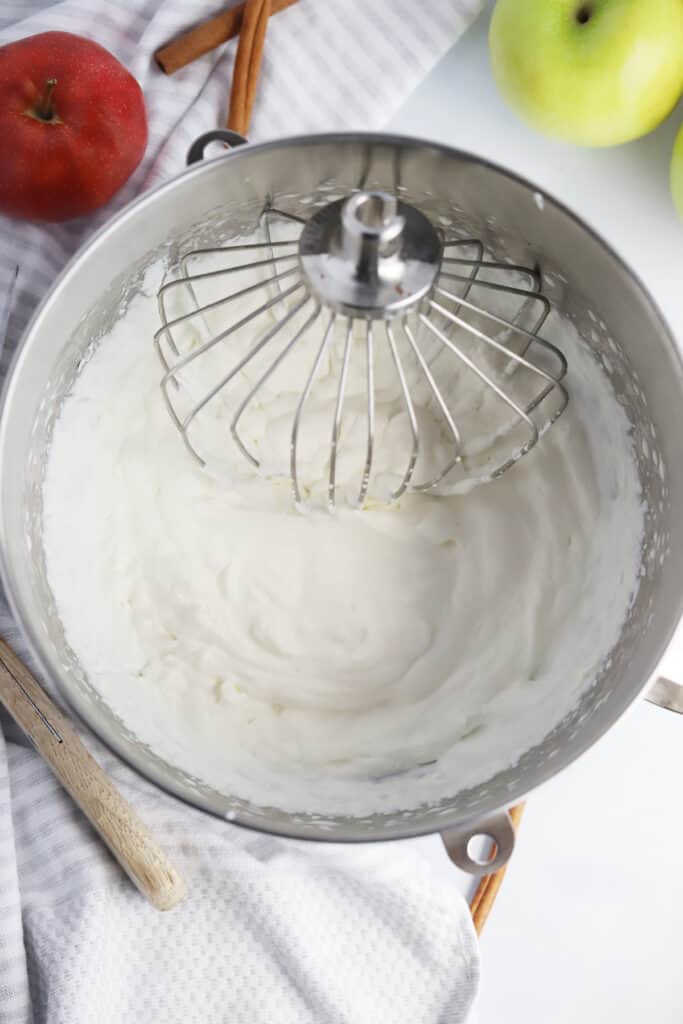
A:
<point x="387" y="355"/>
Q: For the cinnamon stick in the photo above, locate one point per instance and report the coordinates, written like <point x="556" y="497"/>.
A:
<point x="248" y="64"/>
<point x="487" y="890"/>
<point x="207" y="36"/>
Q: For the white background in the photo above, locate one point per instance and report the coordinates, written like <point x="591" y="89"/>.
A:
<point x="588" y="922"/>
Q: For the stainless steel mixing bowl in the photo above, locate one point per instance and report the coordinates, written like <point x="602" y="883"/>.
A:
<point x="212" y="201"/>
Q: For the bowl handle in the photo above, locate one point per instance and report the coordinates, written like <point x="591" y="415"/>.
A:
<point x="497" y="828"/>
<point x="196" y="151"/>
<point x="666" y="694"/>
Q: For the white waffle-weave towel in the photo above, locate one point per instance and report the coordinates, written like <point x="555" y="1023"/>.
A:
<point x="272" y="931"/>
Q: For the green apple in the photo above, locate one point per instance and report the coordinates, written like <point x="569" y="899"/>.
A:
<point x="592" y="72"/>
<point x="677" y="172"/>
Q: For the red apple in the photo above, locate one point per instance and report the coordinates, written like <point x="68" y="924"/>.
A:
<point x="72" y="123"/>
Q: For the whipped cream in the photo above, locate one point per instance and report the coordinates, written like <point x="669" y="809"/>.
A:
<point x="368" y="661"/>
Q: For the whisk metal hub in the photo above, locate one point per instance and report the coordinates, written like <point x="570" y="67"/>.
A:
<point x="370" y="255"/>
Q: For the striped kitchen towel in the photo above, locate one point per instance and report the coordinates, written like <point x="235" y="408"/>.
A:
<point x="271" y="931"/>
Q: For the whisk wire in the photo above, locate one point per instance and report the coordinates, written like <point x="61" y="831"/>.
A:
<point x="369" y="451"/>
<point x="169" y="325"/>
<point x="488" y="380"/>
<point x="477" y="245"/>
<point x="260" y="344"/>
<point x="336" y="425"/>
<point x="492" y="342"/>
<point x="302" y="401"/>
<point x="201" y="350"/>
<point x="445" y="412"/>
<point x="271" y="369"/>
<point x="532" y="336"/>
<point x="410" y="409"/>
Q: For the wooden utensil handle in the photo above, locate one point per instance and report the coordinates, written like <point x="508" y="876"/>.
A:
<point x="56" y="740"/>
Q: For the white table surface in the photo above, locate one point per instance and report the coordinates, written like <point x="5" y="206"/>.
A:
<point x="587" y="923"/>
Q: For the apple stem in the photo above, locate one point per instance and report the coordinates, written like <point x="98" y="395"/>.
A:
<point x="45" y="109"/>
